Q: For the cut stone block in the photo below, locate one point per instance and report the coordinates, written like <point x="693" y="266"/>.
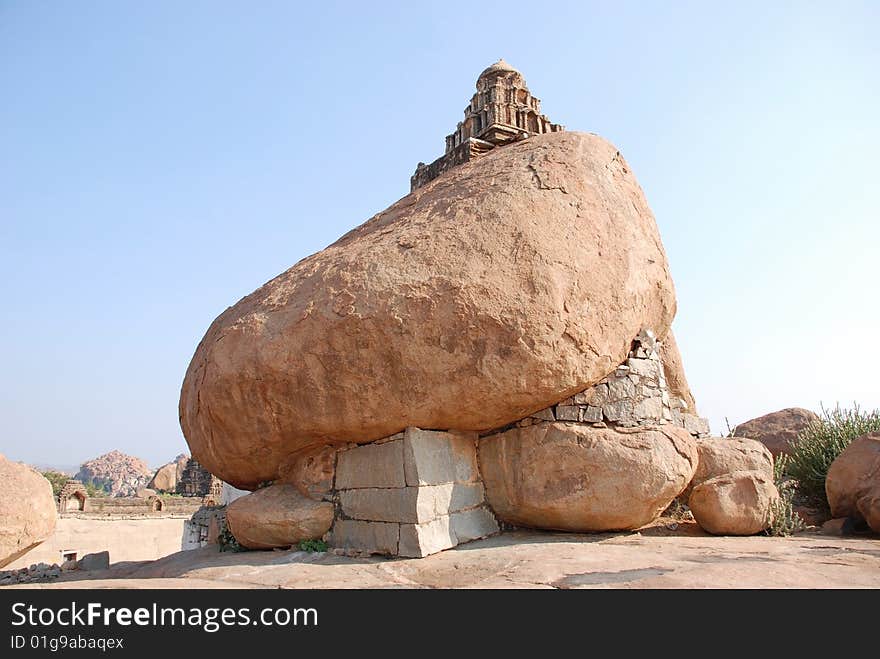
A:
<point x="472" y="524"/>
<point x="418" y="540"/>
<point x="544" y="415"/>
<point x="410" y="504"/>
<point x="568" y="413"/>
<point x="649" y="368"/>
<point x="434" y="458"/>
<point x="649" y="408"/>
<point x="592" y="414"/>
<point x="368" y="537"/>
<point x="373" y="465"/>
<point x="695" y="425"/>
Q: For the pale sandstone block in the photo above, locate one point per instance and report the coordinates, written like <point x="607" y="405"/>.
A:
<point x="434" y="458"/>
<point x="371" y="465"/>
<point x="371" y="537"/>
<point x="410" y="504"/>
<point x="418" y="540"/>
<point x="472" y="524"/>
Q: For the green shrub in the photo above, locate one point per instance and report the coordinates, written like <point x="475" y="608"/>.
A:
<point x="226" y="540"/>
<point x="821" y="442"/>
<point x="57" y="480"/>
<point x="94" y="490"/>
<point x="782" y="518"/>
<point x="312" y="545"/>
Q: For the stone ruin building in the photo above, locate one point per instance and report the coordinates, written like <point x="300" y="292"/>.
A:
<point x="502" y="111"/>
<point x="196" y="481"/>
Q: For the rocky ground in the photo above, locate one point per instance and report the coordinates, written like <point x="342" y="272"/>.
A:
<point x="667" y="554"/>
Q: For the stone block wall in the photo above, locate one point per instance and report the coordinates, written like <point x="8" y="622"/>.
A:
<point x="412" y="494"/>
<point x="635" y="394"/>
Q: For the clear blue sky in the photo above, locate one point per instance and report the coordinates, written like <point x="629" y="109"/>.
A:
<point x="160" y="160"/>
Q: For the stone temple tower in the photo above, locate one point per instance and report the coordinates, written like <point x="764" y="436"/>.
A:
<point x="502" y="111"/>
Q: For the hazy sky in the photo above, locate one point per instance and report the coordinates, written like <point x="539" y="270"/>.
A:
<point x="160" y="160"/>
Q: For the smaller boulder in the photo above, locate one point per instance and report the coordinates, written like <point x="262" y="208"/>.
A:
<point x="277" y="516"/>
<point x="734" y="504"/>
<point x="574" y="477"/>
<point x="777" y="430"/>
<point x="853" y="482"/>
<point x="724" y="455"/>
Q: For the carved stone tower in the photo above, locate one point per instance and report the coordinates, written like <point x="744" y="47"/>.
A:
<point x="502" y="111"/>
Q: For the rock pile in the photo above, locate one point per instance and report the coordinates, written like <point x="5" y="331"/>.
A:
<point x="43" y="572"/>
<point x="500" y="288"/>
<point x="119" y="474"/>
<point x="497" y="343"/>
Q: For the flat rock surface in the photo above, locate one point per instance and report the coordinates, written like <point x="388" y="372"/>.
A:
<point x="657" y="557"/>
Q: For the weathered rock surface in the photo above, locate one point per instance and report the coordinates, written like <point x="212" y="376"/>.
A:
<point x="277" y="516"/>
<point x="311" y="470"/>
<point x="777" y="430"/>
<point x="655" y="558"/>
<point x="734" y="504"/>
<point x="673" y="369"/>
<point x="495" y="291"/>
<point x="853" y="481"/>
<point x="166" y="477"/>
<point x="119" y="474"/>
<point x="720" y="456"/>
<point x="27" y="510"/>
<point x="579" y="478"/>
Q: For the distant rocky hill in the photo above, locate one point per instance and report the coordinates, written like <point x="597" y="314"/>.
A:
<point x="119" y="474"/>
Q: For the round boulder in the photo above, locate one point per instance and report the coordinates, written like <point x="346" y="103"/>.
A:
<point x="277" y="516"/>
<point x="777" y="430"/>
<point x="724" y="455"/>
<point x="496" y="290"/>
<point x="734" y="504"/>
<point x="579" y="478"/>
<point x="853" y="482"/>
<point x="27" y="510"/>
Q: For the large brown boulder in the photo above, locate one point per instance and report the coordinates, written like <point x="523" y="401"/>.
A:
<point x="720" y="456"/>
<point x="673" y="370"/>
<point x="575" y="477"/>
<point x="734" y="504"/>
<point x="853" y="481"/>
<point x="166" y="477"/>
<point x="277" y="516"/>
<point x="27" y="510"/>
<point x="500" y="288"/>
<point x="777" y="430"/>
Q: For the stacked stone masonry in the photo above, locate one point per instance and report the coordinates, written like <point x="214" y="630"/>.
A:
<point x="635" y="394"/>
<point x="412" y="494"/>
